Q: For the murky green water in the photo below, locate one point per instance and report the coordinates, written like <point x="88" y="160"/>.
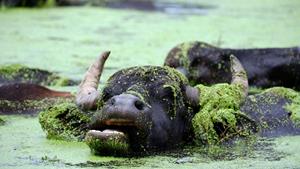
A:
<point x="66" y="40"/>
<point x="23" y="145"/>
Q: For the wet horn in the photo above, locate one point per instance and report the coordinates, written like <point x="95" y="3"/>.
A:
<point x="239" y="75"/>
<point x="87" y="94"/>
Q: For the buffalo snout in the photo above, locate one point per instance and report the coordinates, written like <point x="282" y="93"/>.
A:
<point x="126" y="103"/>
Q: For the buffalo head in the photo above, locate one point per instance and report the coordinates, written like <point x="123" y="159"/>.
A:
<point x="146" y="108"/>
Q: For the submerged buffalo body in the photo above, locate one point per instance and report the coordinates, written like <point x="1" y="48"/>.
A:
<point x="265" y="67"/>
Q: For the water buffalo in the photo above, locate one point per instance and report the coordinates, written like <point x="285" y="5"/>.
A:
<point x="23" y="98"/>
<point x="148" y="108"/>
<point x="266" y="67"/>
<point x="151" y="108"/>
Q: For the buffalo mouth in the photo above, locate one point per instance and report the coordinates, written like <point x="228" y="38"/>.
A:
<point x="110" y="136"/>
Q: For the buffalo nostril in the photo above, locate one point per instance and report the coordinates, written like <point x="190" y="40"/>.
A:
<point x="139" y="105"/>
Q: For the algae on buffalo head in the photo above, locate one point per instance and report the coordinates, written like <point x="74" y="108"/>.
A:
<point x="136" y="81"/>
<point x="64" y="121"/>
<point x="108" y="143"/>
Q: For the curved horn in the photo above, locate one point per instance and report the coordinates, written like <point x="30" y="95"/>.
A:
<point x="87" y="94"/>
<point x="239" y="75"/>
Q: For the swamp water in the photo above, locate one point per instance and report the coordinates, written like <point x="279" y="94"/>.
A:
<point x="24" y="145"/>
<point x="66" y="40"/>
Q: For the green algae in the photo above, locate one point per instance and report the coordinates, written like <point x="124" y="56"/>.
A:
<point x="64" y="121"/>
<point x="28" y="106"/>
<point x="23" y="74"/>
<point x="170" y="78"/>
<point x="56" y="40"/>
<point x="23" y="145"/>
<point x="116" y="146"/>
<point x="1" y="121"/>
<point x="11" y="69"/>
<point x="294" y="97"/>
<point x="255" y="90"/>
<point x="220" y="117"/>
<point x="219" y="110"/>
<point x="182" y="54"/>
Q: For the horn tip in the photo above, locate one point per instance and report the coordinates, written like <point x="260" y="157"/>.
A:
<point x="106" y="53"/>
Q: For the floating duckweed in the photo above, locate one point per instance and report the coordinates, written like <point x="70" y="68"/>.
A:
<point x="64" y="121"/>
<point x="9" y="106"/>
<point x="219" y="113"/>
<point x="294" y="106"/>
<point x="61" y="81"/>
<point x="11" y="69"/>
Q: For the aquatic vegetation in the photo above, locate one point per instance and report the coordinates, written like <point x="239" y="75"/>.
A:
<point x="1" y="121"/>
<point x="64" y="121"/>
<point x="17" y="73"/>
<point x="294" y="106"/>
<point x="54" y="32"/>
<point x="220" y="117"/>
<point x="160" y="91"/>
<point x="28" y="106"/>
<point x="171" y="77"/>
<point x="115" y="145"/>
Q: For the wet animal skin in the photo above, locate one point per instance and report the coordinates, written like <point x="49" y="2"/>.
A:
<point x="203" y="63"/>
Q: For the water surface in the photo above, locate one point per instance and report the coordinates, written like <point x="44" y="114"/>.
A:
<point x="67" y="40"/>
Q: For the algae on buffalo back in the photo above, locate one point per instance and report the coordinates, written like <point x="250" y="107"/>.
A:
<point x="28" y="106"/>
<point x="17" y="73"/>
<point x="294" y="97"/>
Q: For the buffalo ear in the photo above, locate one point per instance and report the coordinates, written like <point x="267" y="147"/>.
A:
<point x="192" y="95"/>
